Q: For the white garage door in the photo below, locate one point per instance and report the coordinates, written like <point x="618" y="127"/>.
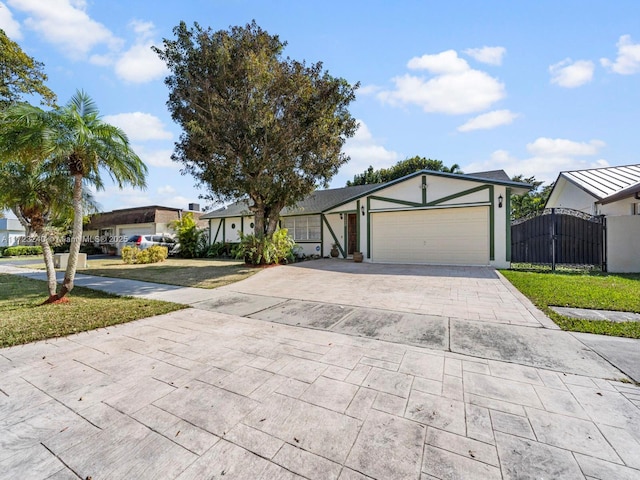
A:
<point x="451" y="236"/>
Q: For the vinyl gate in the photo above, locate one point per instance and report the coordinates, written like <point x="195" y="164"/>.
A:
<point x="559" y="236"/>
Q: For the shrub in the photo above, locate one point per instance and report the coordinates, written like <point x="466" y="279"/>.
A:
<point x="90" y="249"/>
<point x="221" y="249"/>
<point x="264" y="250"/>
<point x="191" y="238"/>
<point x="154" y="254"/>
<point x="22" y="250"/>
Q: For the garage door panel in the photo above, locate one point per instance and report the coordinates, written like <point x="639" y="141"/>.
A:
<point x="457" y="236"/>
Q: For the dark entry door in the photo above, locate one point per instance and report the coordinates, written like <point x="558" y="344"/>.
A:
<point x="352" y="233"/>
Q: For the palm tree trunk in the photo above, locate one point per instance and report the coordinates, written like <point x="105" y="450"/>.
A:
<point x="76" y="237"/>
<point x="48" y="262"/>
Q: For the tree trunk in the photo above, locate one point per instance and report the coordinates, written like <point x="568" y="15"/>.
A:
<point x="48" y="262"/>
<point x="76" y="237"/>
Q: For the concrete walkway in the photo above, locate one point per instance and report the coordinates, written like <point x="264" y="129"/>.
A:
<point x="201" y="393"/>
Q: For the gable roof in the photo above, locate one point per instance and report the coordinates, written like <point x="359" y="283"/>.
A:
<point x="322" y="200"/>
<point x="606" y="184"/>
<point x="316" y="202"/>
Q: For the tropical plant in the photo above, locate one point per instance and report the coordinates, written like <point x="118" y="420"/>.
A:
<point x="279" y="248"/>
<point x="531" y="202"/>
<point x="256" y="126"/>
<point x="74" y="139"/>
<point x="190" y="236"/>
<point x="401" y="169"/>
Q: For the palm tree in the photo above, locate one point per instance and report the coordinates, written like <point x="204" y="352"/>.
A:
<point x="38" y="196"/>
<point x="85" y="145"/>
<point x="75" y="139"/>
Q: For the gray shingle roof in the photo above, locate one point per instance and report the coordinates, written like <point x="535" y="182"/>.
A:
<point x="492" y="175"/>
<point x="604" y="182"/>
<point x="316" y="202"/>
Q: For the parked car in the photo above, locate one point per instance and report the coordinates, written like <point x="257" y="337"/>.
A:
<point x="145" y="241"/>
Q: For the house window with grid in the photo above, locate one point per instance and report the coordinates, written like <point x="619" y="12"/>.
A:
<point x="304" y="228"/>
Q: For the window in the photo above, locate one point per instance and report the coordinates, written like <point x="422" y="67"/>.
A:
<point x="304" y="228"/>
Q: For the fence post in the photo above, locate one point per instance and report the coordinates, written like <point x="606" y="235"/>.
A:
<point x="553" y="239"/>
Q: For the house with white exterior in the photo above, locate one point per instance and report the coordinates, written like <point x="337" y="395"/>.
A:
<point x="615" y="193"/>
<point x="11" y="231"/>
<point x="424" y="218"/>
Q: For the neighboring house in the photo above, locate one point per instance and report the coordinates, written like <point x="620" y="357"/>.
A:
<point x="615" y="193"/>
<point x="424" y="218"/>
<point x="111" y="229"/>
<point x="11" y="232"/>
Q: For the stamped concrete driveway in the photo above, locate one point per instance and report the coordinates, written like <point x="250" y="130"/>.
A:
<point x="468" y="310"/>
<point x="201" y="394"/>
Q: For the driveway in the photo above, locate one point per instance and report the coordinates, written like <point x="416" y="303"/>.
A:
<point x="468" y="310"/>
<point x="209" y="393"/>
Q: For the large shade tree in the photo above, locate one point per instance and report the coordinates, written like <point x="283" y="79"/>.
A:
<point x="20" y="74"/>
<point x="75" y="139"/>
<point x="401" y="169"/>
<point x="256" y="125"/>
<point x="532" y="202"/>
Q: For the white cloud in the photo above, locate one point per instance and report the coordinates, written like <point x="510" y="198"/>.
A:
<point x="439" y="63"/>
<point x="117" y="198"/>
<point x="66" y="23"/>
<point x="365" y="150"/>
<point x="571" y="74"/>
<point x="489" y="55"/>
<point x="156" y="158"/>
<point x="140" y="64"/>
<point x="140" y="126"/>
<point x="628" y="60"/>
<point x="549" y="158"/>
<point x="561" y="147"/>
<point x="166" y="190"/>
<point x="456" y="88"/>
<point x="7" y="23"/>
<point x="369" y="90"/>
<point x="489" y="120"/>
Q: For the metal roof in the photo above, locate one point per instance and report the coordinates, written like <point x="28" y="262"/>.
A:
<point x="604" y="182"/>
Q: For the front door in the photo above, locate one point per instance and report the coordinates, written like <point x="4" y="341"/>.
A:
<point x="352" y="233"/>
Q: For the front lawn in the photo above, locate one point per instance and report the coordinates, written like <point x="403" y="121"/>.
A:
<point x="200" y="273"/>
<point x="600" y="291"/>
<point x="24" y="320"/>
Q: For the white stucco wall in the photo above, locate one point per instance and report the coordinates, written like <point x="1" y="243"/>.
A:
<point x="623" y="244"/>
<point x="621" y="207"/>
<point x="568" y="195"/>
<point x="337" y="225"/>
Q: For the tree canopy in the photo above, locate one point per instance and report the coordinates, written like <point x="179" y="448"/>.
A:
<point x="20" y="74"/>
<point x="256" y="126"/>
<point x="531" y="202"/>
<point x="401" y="169"/>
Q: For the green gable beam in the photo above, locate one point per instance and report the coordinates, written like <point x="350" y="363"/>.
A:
<point x="492" y="221"/>
<point x="424" y="190"/>
<point x="458" y="195"/>
<point x="333" y="235"/>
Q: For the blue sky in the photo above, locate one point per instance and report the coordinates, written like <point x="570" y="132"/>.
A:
<point x="531" y="87"/>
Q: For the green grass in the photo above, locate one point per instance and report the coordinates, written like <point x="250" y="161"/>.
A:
<point x="199" y="273"/>
<point x="23" y="319"/>
<point x="593" y="290"/>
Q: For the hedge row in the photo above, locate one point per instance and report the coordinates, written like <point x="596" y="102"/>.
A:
<point x="22" y="250"/>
